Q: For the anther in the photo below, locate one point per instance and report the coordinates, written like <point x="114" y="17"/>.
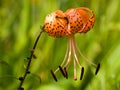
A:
<point x="57" y="17"/>
<point x="62" y="18"/>
<point x="82" y="72"/>
<point x="66" y="74"/>
<point x="53" y="75"/>
<point x="66" y="19"/>
<point x="97" y="69"/>
<point x="60" y="68"/>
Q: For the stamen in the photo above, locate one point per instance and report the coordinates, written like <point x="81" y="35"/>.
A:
<point x="66" y="55"/>
<point x="64" y="60"/>
<point x="53" y="75"/>
<point x="75" y="51"/>
<point x="60" y="68"/>
<point x="66" y="74"/>
<point x="85" y="58"/>
<point x="97" y="69"/>
<point x="75" y="76"/>
<point x="76" y="60"/>
<point x="82" y="72"/>
<point x="69" y="54"/>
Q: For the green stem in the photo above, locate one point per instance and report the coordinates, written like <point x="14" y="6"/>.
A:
<point x="22" y="79"/>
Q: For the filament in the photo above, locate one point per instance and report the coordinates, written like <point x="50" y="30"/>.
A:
<point x="74" y="51"/>
<point x="75" y="76"/>
<point x="70" y="54"/>
<point x="64" y="60"/>
<point x="85" y="58"/>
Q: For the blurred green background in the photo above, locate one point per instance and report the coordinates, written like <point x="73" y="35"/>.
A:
<point x="20" y="22"/>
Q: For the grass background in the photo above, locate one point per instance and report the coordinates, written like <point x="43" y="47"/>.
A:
<point x="19" y="26"/>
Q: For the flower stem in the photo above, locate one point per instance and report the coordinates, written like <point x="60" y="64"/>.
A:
<point x="22" y="79"/>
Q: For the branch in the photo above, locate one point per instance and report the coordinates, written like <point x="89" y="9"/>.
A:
<point x="22" y="79"/>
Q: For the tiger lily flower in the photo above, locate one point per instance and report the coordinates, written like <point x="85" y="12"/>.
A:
<point x="74" y="20"/>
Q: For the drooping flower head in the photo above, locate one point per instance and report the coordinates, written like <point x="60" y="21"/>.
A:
<point x="75" y="20"/>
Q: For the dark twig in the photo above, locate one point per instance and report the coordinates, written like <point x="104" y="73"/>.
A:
<point x="22" y="79"/>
